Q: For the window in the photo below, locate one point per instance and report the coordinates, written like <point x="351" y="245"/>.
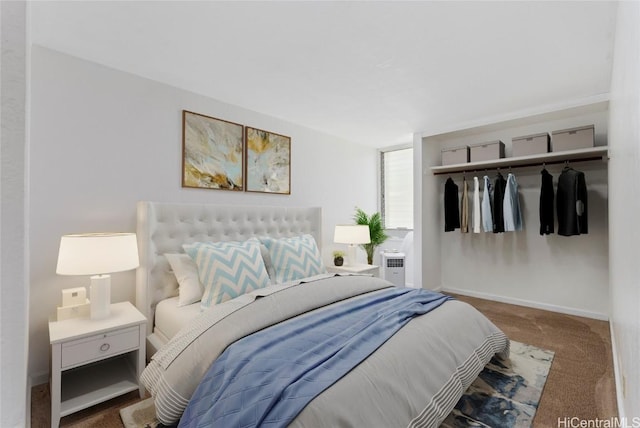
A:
<point x="397" y="188"/>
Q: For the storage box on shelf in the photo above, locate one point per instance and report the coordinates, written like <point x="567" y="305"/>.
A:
<point x="455" y="155"/>
<point x="486" y="151"/>
<point x="572" y="139"/>
<point x="530" y="145"/>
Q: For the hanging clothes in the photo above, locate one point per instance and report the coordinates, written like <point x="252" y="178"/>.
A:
<point x="487" y="206"/>
<point x="451" y="210"/>
<point x="498" y="201"/>
<point x="464" y="207"/>
<point x="511" y="206"/>
<point x="571" y="203"/>
<point x="546" y="203"/>
<point x="476" y="220"/>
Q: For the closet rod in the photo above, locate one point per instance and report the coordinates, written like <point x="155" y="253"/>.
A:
<point x="538" y="163"/>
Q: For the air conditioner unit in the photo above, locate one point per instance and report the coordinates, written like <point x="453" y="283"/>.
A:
<point x="393" y="268"/>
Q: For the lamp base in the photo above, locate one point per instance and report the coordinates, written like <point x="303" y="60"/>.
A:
<point x="100" y="296"/>
<point x="351" y="255"/>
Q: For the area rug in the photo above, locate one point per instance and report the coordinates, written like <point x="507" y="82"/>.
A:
<point x="505" y="394"/>
<point x="140" y="415"/>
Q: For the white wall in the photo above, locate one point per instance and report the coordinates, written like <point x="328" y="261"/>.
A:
<point x="566" y="274"/>
<point x="104" y="139"/>
<point x="13" y="280"/>
<point x="624" y="205"/>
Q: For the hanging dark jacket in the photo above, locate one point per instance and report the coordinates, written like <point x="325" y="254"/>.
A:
<point x="571" y="203"/>
<point x="498" y="202"/>
<point x="451" y="210"/>
<point x="547" y="214"/>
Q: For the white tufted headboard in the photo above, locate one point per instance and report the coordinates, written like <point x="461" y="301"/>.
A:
<point x="164" y="227"/>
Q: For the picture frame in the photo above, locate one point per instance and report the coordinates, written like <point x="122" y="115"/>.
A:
<point x="212" y="153"/>
<point x="267" y="162"/>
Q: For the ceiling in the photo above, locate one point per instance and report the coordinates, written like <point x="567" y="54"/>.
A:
<point x="369" y="72"/>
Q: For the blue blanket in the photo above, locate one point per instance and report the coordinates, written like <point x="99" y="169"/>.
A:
<point x="267" y="378"/>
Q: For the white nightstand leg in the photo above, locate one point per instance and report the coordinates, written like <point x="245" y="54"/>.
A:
<point x="142" y="356"/>
<point x="54" y="386"/>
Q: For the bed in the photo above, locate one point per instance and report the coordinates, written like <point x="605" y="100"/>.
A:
<point x="322" y="350"/>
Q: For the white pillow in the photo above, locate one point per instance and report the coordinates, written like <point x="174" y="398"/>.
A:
<point x="228" y="269"/>
<point x="294" y="258"/>
<point x="266" y="258"/>
<point x="186" y="272"/>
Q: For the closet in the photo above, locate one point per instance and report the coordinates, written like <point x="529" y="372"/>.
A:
<point x="565" y="274"/>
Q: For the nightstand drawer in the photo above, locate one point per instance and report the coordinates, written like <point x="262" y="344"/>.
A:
<point x="99" y="346"/>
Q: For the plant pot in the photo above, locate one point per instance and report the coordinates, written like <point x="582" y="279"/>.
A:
<point x="338" y="261"/>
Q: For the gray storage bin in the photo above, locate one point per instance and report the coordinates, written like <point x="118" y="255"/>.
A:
<point x="486" y="151"/>
<point x="530" y="145"/>
<point x="572" y="139"/>
<point x="455" y="155"/>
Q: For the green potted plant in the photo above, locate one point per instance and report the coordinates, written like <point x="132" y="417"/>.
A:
<point x="338" y="258"/>
<point x="376" y="231"/>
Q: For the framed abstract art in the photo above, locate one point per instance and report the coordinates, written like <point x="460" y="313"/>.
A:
<point x="212" y="153"/>
<point x="268" y="162"/>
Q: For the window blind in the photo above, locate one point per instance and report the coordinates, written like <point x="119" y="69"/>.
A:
<point x="397" y="188"/>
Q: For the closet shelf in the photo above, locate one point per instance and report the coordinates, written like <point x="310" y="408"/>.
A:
<point x="592" y="153"/>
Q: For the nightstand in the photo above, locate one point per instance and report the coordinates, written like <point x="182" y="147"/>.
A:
<point x="95" y="360"/>
<point x="366" y="269"/>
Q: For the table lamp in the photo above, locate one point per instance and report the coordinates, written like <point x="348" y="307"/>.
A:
<point x="352" y="234"/>
<point x="98" y="254"/>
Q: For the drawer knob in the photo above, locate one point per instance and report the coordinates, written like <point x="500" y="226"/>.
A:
<point x="105" y="347"/>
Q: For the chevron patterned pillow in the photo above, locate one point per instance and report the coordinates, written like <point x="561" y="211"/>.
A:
<point x="228" y="269"/>
<point x="294" y="258"/>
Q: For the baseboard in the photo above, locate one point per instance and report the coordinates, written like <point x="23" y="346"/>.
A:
<point x="617" y="374"/>
<point x="38" y="379"/>
<point x="528" y="303"/>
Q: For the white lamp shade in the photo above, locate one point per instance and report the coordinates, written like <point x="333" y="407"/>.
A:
<point x="351" y="234"/>
<point x="97" y="253"/>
